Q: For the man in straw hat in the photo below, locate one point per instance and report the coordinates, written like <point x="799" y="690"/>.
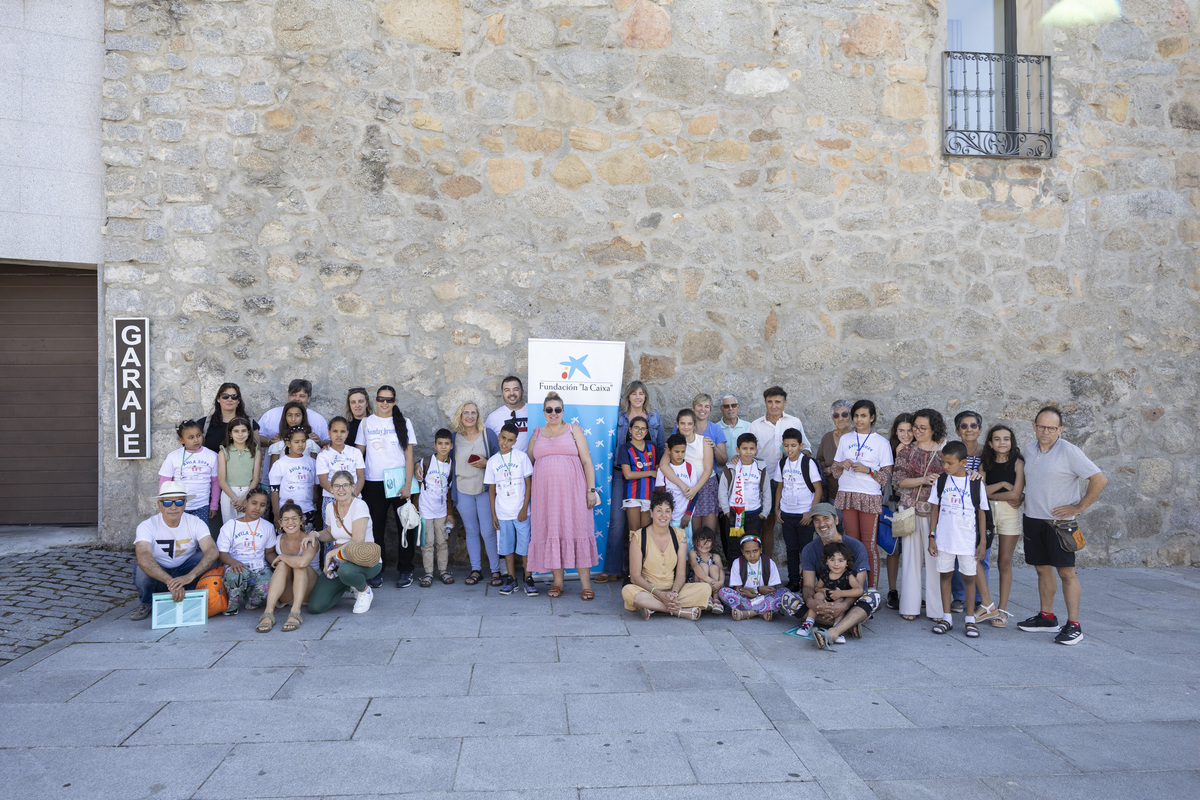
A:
<point x="824" y="520"/>
<point x="173" y="550"/>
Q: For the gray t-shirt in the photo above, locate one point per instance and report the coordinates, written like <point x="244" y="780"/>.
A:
<point x="810" y="556"/>
<point x="1052" y="478"/>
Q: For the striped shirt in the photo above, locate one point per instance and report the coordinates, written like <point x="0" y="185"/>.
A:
<point x="639" y="461"/>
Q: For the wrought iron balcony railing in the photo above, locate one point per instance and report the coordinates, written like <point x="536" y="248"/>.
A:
<point x="997" y="104"/>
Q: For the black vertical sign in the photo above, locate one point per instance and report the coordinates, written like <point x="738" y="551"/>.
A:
<point x="131" y="346"/>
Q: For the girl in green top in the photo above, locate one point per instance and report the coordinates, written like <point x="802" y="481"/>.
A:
<point x="239" y="463"/>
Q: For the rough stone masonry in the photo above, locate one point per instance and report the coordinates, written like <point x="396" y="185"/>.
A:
<point x="745" y="191"/>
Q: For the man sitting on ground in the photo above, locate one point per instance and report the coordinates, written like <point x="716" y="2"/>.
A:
<point x="173" y="550"/>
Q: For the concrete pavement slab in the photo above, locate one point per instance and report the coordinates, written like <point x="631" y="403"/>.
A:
<point x="719" y="791"/>
<point x="136" y="655"/>
<point x="316" y="769"/>
<point x="967" y="706"/>
<point x="640" y="645"/>
<point x="33" y="686"/>
<point x="944" y="752"/>
<point x="816" y="752"/>
<point x="409" y="627"/>
<point x="1059" y="666"/>
<point x="835" y="709"/>
<point x="413" y="680"/>
<point x="1123" y="745"/>
<point x="459" y="717"/>
<point x="1144" y="668"/>
<point x="165" y="685"/>
<point x="525" y="650"/>
<point x="241" y="628"/>
<point x="280" y="651"/>
<point x="1138" y="703"/>
<point x="618" y="676"/>
<point x="584" y="761"/>
<point x="88" y="773"/>
<point x="68" y="724"/>
<point x="576" y="623"/>
<point x="934" y="788"/>
<point x="849" y="667"/>
<point x="683" y="676"/>
<point x="733" y="756"/>
<point x="238" y="721"/>
<point x="1132" y="785"/>
<point x="775" y="702"/>
<point x="682" y="712"/>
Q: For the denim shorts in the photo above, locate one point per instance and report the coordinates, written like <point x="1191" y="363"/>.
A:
<point x="514" y="537"/>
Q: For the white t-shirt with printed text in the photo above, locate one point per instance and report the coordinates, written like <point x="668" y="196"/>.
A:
<point x="686" y="473"/>
<point x="508" y="474"/>
<point x="330" y="461"/>
<point x="295" y="477"/>
<point x="247" y="541"/>
<point x="796" y="498"/>
<point x="872" y="450"/>
<point x="171" y="546"/>
<point x="195" y="470"/>
<point x="958" y="521"/>
<point x="383" y="451"/>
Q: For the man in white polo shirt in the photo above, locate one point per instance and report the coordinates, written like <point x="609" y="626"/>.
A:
<point x="173" y="550"/>
<point x="769" y="430"/>
<point x="1053" y="469"/>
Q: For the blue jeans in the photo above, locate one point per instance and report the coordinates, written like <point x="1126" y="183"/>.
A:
<point x="147" y="586"/>
<point x="475" y="510"/>
<point x="959" y="591"/>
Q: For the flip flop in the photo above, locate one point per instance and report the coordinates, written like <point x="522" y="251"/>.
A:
<point x="290" y="617"/>
<point x="265" y="623"/>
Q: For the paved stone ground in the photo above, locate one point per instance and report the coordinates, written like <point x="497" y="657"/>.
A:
<point x="46" y="594"/>
<point x="455" y="690"/>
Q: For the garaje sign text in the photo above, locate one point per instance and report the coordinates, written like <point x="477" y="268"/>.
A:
<point x="131" y="365"/>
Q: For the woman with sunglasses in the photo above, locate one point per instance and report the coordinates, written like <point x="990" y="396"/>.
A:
<point x="358" y="408"/>
<point x="564" y="493"/>
<point x="386" y="440"/>
<point x="474" y="444"/>
<point x="829" y="443"/>
<point x="227" y="406"/>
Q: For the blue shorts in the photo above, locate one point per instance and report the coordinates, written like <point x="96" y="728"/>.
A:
<point x="514" y="535"/>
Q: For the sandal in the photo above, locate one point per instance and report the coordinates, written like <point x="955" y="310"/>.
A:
<point x="821" y="639"/>
<point x="265" y="623"/>
<point x="289" y="626"/>
<point x="971" y="630"/>
<point x="601" y="578"/>
<point x="496" y="580"/>
<point x="1001" y="621"/>
<point x="426" y="581"/>
<point x="740" y="614"/>
<point x="689" y="613"/>
<point x="715" y="608"/>
<point x="555" y="591"/>
<point x="473" y="578"/>
<point x="855" y="632"/>
<point x="941" y="626"/>
<point x="909" y="617"/>
<point x="446" y="577"/>
<point x="767" y="615"/>
<point x="645" y="613"/>
<point x="588" y="594"/>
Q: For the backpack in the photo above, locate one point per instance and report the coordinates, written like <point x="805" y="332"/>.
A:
<point x="989" y="525"/>
<point x="214" y="582"/>
<point x="674" y="541"/>
<point x="766" y="562"/>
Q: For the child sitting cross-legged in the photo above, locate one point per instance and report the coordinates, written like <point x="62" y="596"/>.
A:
<point x="838" y="586"/>
<point x="755" y="587"/>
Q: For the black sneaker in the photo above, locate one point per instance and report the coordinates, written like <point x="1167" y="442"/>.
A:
<point x="1069" y="634"/>
<point x="1039" y="624"/>
<point x="509" y="585"/>
<point x="530" y="588"/>
<point x="404" y="581"/>
<point x="893" y="601"/>
<point x="375" y="582"/>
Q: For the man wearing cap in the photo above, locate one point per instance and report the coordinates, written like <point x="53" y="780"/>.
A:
<point x="824" y="520"/>
<point x="173" y="550"/>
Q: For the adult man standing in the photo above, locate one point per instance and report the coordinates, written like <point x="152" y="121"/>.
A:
<point x="769" y="430"/>
<point x="512" y="391"/>
<point x="1053" y="469"/>
<point x="824" y="519"/>
<point x="173" y="550"/>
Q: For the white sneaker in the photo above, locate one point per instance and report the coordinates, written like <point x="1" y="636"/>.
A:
<point x="363" y="602"/>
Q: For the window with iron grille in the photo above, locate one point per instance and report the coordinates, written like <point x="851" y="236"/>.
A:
<point x="995" y="101"/>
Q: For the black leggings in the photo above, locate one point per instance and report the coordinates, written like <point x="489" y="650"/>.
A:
<point x="381" y="507"/>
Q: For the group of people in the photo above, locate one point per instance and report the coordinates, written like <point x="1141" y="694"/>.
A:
<point x="689" y="495"/>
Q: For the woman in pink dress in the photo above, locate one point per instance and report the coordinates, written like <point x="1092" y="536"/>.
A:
<point x="564" y="493"/>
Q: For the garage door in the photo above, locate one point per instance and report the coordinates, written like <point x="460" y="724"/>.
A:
<point x="49" y="424"/>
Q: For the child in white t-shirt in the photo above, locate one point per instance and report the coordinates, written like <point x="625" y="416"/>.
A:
<point x="294" y="475"/>
<point x="799" y="488"/>
<point x="195" y="466"/>
<point x="508" y="476"/>
<point x="755" y="588"/>
<point x="336" y="458"/>
<point x="246" y="546"/>
<point x="435" y="476"/>
<point x="956" y="534"/>
<point x="676" y="461"/>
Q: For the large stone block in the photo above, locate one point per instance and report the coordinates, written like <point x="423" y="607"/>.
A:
<point x="646" y="26"/>
<point x="872" y="35"/>
<point x="437" y="23"/>
<point x="624" y="167"/>
<point x="1185" y="112"/>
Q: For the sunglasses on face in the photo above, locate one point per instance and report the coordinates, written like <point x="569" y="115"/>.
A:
<point x="840" y="415"/>
<point x="730" y="405"/>
<point x="228" y="396"/>
<point x="176" y="503"/>
<point x="969" y="426"/>
<point x="385" y="399"/>
<point x="557" y="410"/>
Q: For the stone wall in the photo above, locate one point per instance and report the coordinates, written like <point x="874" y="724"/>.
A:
<point x="746" y="192"/>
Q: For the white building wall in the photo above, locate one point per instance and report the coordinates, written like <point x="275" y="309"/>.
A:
<point x="51" y="197"/>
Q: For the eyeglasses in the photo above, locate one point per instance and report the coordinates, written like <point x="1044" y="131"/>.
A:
<point x="639" y="428"/>
<point x="228" y="396"/>
<point x="550" y="410"/>
<point x="842" y="415"/>
<point x="969" y="426"/>
<point x="1047" y="428"/>
<point x="341" y="486"/>
<point x="920" y="428"/>
<point x="729" y="405"/>
<point x="176" y="503"/>
<point x="379" y="399"/>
